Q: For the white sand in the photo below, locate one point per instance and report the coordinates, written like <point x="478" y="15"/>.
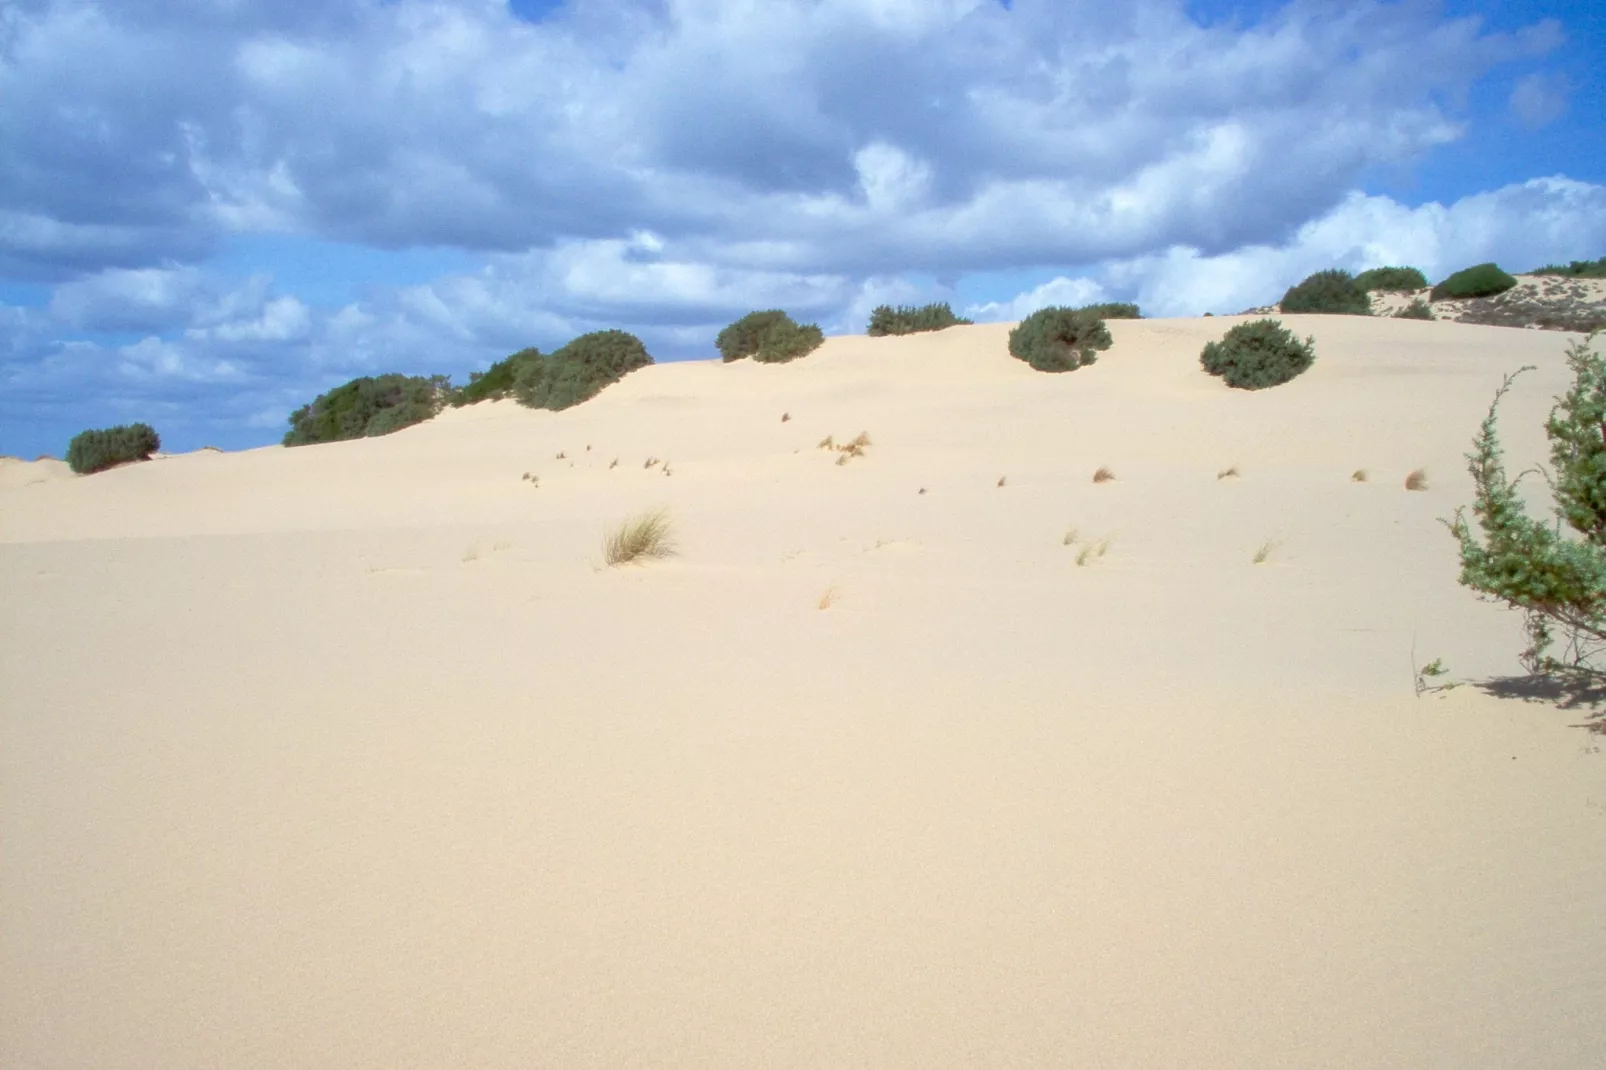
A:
<point x="356" y="756"/>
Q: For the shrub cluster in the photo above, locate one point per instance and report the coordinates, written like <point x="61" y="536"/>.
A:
<point x="1059" y="339"/>
<point x="1257" y="355"/>
<point x="1578" y="269"/>
<point x="1394" y="279"/>
<point x="494" y="382"/>
<point x="907" y="319"/>
<point x="94" y="451"/>
<point x="1481" y="280"/>
<point x="1333" y="292"/>
<point x="579" y="370"/>
<point x="770" y="337"/>
<point x="1114" y="310"/>
<point x="1416" y="310"/>
<point x="367" y="406"/>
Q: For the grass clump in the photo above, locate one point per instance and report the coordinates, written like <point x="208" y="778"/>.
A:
<point x="1059" y="339"/>
<point x="495" y="382"/>
<point x="1103" y="475"/>
<point x="1392" y="279"/>
<point x="1577" y="269"/>
<point x="1332" y="292"/>
<point x="1416" y="310"/>
<point x="95" y="451"/>
<point x="1417" y="480"/>
<point x="1257" y="355"/>
<point x="769" y="337"/>
<point x="1264" y="553"/>
<point x="366" y="407"/>
<point x="1480" y="280"/>
<point x="908" y="319"/>
<point x="646" y="536"/>
<point x="1556" y="578"/>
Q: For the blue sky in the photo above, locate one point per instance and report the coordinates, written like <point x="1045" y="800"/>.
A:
<point x="212" y="210"/>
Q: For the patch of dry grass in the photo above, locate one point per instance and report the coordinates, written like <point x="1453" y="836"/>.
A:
<point x="828" y="598"/>
<point x="1071" y="535"/>
<point x="1092" y="551"/>
<point x="1417" y="480"/>
<point x="827" y="443"/>
<point x="785" y="416"/>
<point x="1103" y="475"/>
<point x="1358" y="476"/>
<point x="645" y="536"/>
<point x="1262" y="554"/>
<point x="1228" y="473"/>
<point x="1002" y="480"/>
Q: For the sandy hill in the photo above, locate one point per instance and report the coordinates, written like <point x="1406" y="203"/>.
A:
<point x="357" y="755"/>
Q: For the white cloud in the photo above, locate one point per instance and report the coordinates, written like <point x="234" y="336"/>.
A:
<point x="1539" y="99"/>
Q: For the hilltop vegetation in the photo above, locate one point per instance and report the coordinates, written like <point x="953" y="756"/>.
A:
<point x="1578" y="269"/>
<point x="769" y="337"/>
<point x="907" y="319"/>
<point x="96" y="451"/>
<point x="1331" y="292"/>
<point x="367" y="406"/>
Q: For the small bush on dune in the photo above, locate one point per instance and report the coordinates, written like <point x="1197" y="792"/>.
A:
<point x="1330" y="292"/>
<point x="579" y="370"/>
<point x="1416" y="310"/>
<point x="1258" y="354"/>
<point x="907" y="319"/>
<point x="1393" y="279"/>
<point x="1057" y="339"/>
<point x="770" y="337"/>
<point x="496" y="381"/>
<point x="364" y="407"/>
<point x="1481" y="280"/>
<point x="647" y="535"/>
<point x="95" y="451"/>
<point x="1578" y="269"/>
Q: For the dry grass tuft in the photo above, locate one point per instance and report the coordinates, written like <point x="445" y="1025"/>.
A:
<point x="828" y="599"/>
<point x="650" y="462"/>
<point x="922" y="490"/>
<point x="1103" y="475"/>
<point x="1228" y="473"/>
<point x="1264" y="552"/>
<point x="525" y="477"/>
<point x="859" y="443"/>
<point x="844" y="459"/>
<point x="1358" y="476"/>
<point x="614" y="465"/>
<point x="1071" y="535"/>
<point x="1092" y="551"/>
<point x="1002" y="480"/>
<point x="1417" y="480"/>
<point x="785" y="416"/>
<point x="827" y="443"/>
<point x="648" y="535"/>
<point x="562" y="455"/>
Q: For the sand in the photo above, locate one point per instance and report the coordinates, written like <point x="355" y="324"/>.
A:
<point x="358" y="755"/>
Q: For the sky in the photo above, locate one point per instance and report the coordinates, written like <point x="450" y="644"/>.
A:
<point x="213" y="210"/>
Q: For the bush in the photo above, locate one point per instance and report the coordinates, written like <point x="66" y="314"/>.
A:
<point x="578" y="371"/>
<point x="1578" y="269"/>
<point x="1416" y="310"/>
<point x="1058" y="339"/>
<point x="94" y="451"/>
<point x="1258" y="354"/>
<point x="1558" y="580"/>
<point x="370" y="405"/>
<point x="495" y="381"/>
<point x="1483" y="280"/>
<point x="771" y="337"/>
<point x="1330" y="292"/>
<point x="907" y="319"/>
<point x="1392" y="279"/>
<point x="1114" y="310"/>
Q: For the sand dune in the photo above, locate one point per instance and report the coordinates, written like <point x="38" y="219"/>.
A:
<point x="357" y="755"/>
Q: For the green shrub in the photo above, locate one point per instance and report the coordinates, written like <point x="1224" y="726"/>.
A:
<point x="1557" y="578"/>
<point x="1332" y="292"/>
<point x="771" y="337"/>
<point x="907" y="319"/>
<point x="93" y="451"/>
<point x="578" y="371"/>
<point x="494" y="382"/>
<point x="1578" y="269"/>
<point x="1058" y="339"/>
<point x="1391" y="279"/>
<point x="1416" y="310"/>
<point x="1482" y="280"/>
<point x="1258" y="354"/>
<point x="1114" y="310"/>
<point x="370" y="405"/>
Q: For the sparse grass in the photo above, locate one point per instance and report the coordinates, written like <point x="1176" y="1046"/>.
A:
<point x="828" y="598"/>
<point x="1002" y="480"/>
<point x="1228" y="473"/>
<point x="650" y="462"/>
<point x="785" y="416"/>
<point x="843" y="459"/>
<point x="1417" y="480"/>
<point x="562" y="455"/>
<point x="827" y="443"/>
<point x="1264" y="553"/>
<point x="1092" y="551"/>
<point x="1103" y="475"/>
<point x="614" y="465"/>
<point x="471" y="554"/>
<point x="922" y="490"/>
<point x="1071" y="535"/>
<point x="848" y="450"/>
<point x="861" y="441"/>
<point x="1358" y="476"/>
<point x="648" y="535"/>
<point x="667" y="472"/>
<point x="525" y="477"/>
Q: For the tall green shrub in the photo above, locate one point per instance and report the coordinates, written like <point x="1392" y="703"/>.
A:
<point x="95" y="451"/>
<point x="1557" y="580"/>
<point x="1333" y="292"/>
<point x="1480" y="280"/>
<point x="579" y="370"/>
<point x="494" y="382"/>
<point x="1257" y="355"/>
<point x="907" y="319"/>
<point x="369" y="405"/>
<point x="1392" y="279"/>
<point x="771" y="337"/>
<point x="1058" y="339"/>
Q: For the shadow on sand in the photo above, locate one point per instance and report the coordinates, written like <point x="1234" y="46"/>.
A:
<point x="1572" y="693"/>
